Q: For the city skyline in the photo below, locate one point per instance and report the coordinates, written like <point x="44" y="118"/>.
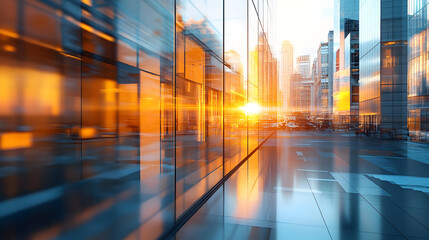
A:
<point x="214" y="119"/>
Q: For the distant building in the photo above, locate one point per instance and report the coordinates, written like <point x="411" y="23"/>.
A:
<point x="330" y="70"/>
<point x="301" y="94"/>
<point x="303" y="85"/>
<point x="286" y="70"/>
<point x="325" y="56"/>
<point x="303" y="64"/>
<point x="315" y="89"/>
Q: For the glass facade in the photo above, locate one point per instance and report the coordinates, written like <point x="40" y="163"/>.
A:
<point x="346" y="87"/>
<point x="383" y="67"/>
<point x="369" y="72"/>
<point x="418" y="80"/>
<point x="116" y="117"/>
<point x="346" y="21"/>
<point x="342" y="97"/>
<point x="345" y="11"/>
<point x="346" y="76"/>
<point x="323" y="64"/>
<point x="324" y="90"/>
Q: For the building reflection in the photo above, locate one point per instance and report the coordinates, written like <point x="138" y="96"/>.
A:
<point x="117" y="116"/>
<point x="382" y="69"/>
<point x="418" y="83"/>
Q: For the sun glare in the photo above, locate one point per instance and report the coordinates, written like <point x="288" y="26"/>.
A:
<point x="251" y="108"/>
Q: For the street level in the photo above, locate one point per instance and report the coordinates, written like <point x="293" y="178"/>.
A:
<point x="311" y="185"/>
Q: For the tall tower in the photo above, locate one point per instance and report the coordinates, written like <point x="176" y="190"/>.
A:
<point x="304" y="66"/>
<point x="383" y="67"/>
<point x="286" y="70"/>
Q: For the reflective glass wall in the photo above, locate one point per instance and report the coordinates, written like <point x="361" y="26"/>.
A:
<point x="346" y="21"/>
<point x="346" y="87"/>
<point x="323" y="54"/>
<point x="116" y="117"/>
<point x="369" y="63"/>
<point x="383" y="67"/>
<point x="394" y="68"/>
<point x="418" y="80"/>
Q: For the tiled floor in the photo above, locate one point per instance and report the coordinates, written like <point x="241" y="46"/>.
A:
<point x="307" y="185"/>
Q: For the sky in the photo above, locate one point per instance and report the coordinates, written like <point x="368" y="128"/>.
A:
<point x="305" y="23"/>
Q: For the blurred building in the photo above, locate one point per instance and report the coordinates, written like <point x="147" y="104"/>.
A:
<point x="418" y="80"/>
<point x="286" y="70"/>
<point x="303" y="64"/>
<point x="118" y="117"/>
<point x="331" y="61"/>
<point x="302" y="85"/>
<point x="301" y="94"/>
<point x="316" y="88"/>
<point x="383" y="67"/>
<point x="325" y="70"/>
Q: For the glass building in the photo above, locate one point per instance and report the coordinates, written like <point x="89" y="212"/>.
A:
<point x="346" y="81"/>
<point x="286" y="70"/>
<point x="117" y="118"/>
<point x="418" y="80"/>
<point x="383" y="67"/>
<point x="346" y="76"/>
<point x="315" y="88"/>
<point x="345" y="13"/>
<point x="301" y="85"/>
<point x="325" y="56"/>
<point x="304" y="66"/>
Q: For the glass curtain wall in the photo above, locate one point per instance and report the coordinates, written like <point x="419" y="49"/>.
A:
<point x="394" y="46"/>
<point x="323" y="58"/>
<point x="418" y="80"/>
<point x="369" y="63"/>
<point x="116" y="117"/>
<point x="383" y="67"/>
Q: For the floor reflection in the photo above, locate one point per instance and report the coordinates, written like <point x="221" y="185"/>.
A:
<point x="306" y="185"/>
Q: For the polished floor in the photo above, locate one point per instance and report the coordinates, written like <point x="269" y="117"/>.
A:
<point x="310" y="185"/>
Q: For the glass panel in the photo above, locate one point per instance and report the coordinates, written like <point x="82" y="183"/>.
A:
<point x="235" y="82"/>
<point x="75" y="131"/>
<point x="117" y="116"/>
<point x="252" y="108"/>
<point x="199" y="86"/>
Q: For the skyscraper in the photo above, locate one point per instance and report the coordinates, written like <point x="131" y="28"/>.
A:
<point x="323" y="65"/>
<point x="346" y="80"/>
<point x="418" y="65"/>
<point x="345" y="107"/>
<point x="303" y="86"/>
<point x="286" y="70"/>
<point x="315" y="87"/>
<point x="383" y="67"/>
<point x="325" y="56"/>
<point x="303" y="65"/>
<point x="345" y="11"/>
<point x="331" y="58"/>
<point x="301" y="94"/>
